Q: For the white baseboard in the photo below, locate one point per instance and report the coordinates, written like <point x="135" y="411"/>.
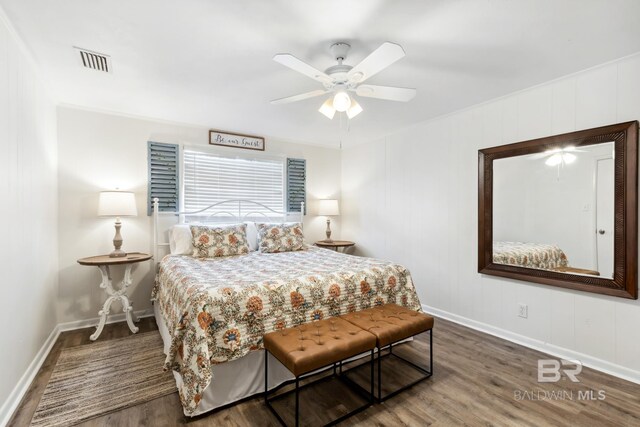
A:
<point x="21" y="388"/>
<point x="112" y="318"/>
<point x="18" y="392"/>
<point x="554" y="350"/>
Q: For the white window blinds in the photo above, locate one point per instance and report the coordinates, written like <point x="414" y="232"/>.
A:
<point x="210" y="178"/>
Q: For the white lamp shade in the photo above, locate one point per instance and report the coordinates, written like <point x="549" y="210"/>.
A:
<point x="328" y="207"/>
<point x="327" y="109"/>
<point x="354" y="110"/>
<point x="117" y="203"/>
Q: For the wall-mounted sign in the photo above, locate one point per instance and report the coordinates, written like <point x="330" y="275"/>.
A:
<point x="236" y="140"/>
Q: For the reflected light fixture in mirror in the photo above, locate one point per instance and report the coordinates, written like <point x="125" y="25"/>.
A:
<point x="561" y="156"/>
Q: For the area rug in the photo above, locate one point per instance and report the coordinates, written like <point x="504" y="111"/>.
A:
<point x="94" y="379"/>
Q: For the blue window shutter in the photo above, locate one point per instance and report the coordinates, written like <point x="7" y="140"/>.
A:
<point x="164" y="184"/>
<point x="296" y="184"/>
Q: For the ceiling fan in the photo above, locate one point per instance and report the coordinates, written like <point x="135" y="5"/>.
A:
<point x="343" y="80"/>
<point x="558" y="156"/>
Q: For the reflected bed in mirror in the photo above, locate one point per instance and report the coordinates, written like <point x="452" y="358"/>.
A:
<point x="562" y="210"/>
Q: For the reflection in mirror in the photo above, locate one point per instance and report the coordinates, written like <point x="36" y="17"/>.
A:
<point x="555" y="210"/>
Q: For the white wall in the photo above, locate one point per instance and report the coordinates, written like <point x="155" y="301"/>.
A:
<point x="100" y="151"/>
<point x="412" y="197"/>
<point x="28" y="214"/>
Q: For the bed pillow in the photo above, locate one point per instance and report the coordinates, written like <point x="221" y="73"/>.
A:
<point x="181" y="240"/>
<point x="274" y="238"/>
<point x="217" y="241"/>
<point x="252" y="236"/>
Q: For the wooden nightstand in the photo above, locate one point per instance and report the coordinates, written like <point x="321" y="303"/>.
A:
<point x="103" y="262"/>
<point x="335" y="244"/>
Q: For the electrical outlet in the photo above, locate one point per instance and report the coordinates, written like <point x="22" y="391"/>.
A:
<point x="523" y="310"/>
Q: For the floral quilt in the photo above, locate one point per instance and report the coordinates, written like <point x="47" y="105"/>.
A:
<point x="218" y="309"/>
<point x="530" y="255"/>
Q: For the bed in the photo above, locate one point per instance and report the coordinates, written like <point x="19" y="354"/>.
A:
<point x="212" y="313"/>
<point x="530" y="255"/>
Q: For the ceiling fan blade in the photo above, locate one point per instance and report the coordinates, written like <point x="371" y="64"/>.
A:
<point x="299" y="97"/>
<point x="378" y="60"/>
<point x="390" y="93"/>
<point x="296" y="64"/>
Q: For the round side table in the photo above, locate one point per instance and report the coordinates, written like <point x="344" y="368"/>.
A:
<point x="335" y="244"/>
<point x="104" y="262"/>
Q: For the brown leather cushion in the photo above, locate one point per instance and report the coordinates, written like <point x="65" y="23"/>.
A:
<point x="390" y="322"/>
<point x="317" y="344"/>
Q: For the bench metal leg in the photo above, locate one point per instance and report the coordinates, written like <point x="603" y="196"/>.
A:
<point x="266" y="374"/>
<point x="426" y="373"/>
<point x="431" y="351"/>
<point x="368" y="396"/>
<point x="372" y="398"/>
<point x="297" y="401"/>
<point x="379" y="374"/>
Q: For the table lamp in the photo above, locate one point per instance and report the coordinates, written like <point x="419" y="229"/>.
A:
<point x="328" y="207"/>
<point x="118" y="204"/>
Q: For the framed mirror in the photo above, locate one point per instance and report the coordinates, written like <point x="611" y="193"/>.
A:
<point x="562" y="210"/>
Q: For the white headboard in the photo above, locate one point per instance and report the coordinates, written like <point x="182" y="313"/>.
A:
<point x="226" y="211"/>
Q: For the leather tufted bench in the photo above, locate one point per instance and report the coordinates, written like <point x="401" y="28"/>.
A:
<point x="317" y="346"/>
<point x="391" y="323"/>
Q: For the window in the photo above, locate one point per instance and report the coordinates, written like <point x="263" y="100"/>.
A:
<point x="211" y="178"/>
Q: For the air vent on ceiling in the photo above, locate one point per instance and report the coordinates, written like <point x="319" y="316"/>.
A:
<point x="94" y="60"/>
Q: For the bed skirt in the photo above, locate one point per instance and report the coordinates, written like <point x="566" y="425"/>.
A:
<point x="238" y="379"/>
<point x="232" y="381"/>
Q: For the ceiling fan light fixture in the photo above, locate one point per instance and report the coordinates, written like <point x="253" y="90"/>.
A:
<point x="341" y="101"/>
<point x="354" y="110"/>
<point x="569" y="158"/>
<point x="327" y="109"/>
<point x="342" y="79"/>
<point x="554" y="160"/>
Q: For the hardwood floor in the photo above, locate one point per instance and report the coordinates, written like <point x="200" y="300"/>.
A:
<point x="476" y="382"/>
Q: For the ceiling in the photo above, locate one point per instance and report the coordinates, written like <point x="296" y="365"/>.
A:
<point x="209" y="62"/>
